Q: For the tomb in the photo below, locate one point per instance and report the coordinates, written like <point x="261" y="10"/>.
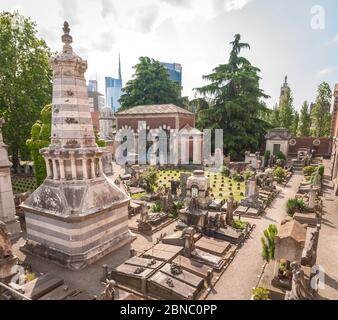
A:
<point x="213" y="246"/>
<point x="77" y="215"/>
<point x="163" y="252"/>
<point x="172" y="282"/>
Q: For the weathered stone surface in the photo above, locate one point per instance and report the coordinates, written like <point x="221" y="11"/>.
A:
<point x="60" y="293"/>
<point x="42" y="285"/>
<point x="192" y="266"/>
<point x="213" y="246"/>
<point x="163" y="252"/>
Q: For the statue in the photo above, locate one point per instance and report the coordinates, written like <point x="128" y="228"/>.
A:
<point x="300" y="289"/>
<point x="143" y="224"/>
<point x="5" y="243"/>
<point x="109" y="291"/>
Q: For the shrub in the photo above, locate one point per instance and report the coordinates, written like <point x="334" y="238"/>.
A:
<point x="225" y="171"/>
<point x="280" y="156"/>
<point x="260" y="294"/>
<point x="149" y="177"/>
<point x="247" y="174"/>
<point x="239" y="225"/>
<point x="267" y="155"/>
<point x="294" y="205"/>
<point x="309" y="170"/>
<point x="268" y="243"/>
<point x="280" y="174"/>
<point x="321" y="170"/>
<point x="157" y="207"/>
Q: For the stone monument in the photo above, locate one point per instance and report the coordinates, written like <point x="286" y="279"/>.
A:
<point x="77" y="215"/>
<point x="107" y="121"/>
<point x="7" y="259"/>
<point x="7" y="205"/>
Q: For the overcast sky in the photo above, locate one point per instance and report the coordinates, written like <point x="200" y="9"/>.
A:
<point x="196" y="33"/>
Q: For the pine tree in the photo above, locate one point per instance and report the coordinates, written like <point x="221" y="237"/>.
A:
<point x="320" y="115"/>
<point x="286" y="110"/>
<point x="295" y="124"/>
<point x="235" y="103"/>
<point x="304" y="120"/>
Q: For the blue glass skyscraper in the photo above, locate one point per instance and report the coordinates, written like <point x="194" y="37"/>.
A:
<point x="174" y="71"/>
<point x="114" y="90"/>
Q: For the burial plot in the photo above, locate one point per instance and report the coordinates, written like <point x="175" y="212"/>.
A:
<point x="207" y="258"/>
<point x="171" y="286"/>
<point x="163" y="252"/>
<point x="213" y="246"/>
<point x="195" y="267"/>
<point x="38" y="287"/>
<point x="60" y="293"/>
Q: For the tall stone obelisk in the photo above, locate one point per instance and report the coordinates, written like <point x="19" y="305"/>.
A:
<point x="7" y="205"/>
<point x="77" y="215"/>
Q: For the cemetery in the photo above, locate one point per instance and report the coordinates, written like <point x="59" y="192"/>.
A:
<point x="106" y="231"/>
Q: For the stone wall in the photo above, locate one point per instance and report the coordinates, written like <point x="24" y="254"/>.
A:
<point x="321" y="150"/>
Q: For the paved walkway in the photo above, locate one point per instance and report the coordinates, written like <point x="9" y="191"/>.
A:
<point x="327" y="254"/>
<point x="242" y="274"/>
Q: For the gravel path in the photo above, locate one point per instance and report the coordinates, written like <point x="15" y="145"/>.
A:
<point x="242" y="274"/>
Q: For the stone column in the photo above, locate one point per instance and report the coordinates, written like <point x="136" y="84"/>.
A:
<point x="55" y="171"/>
<point x="85" y="168"/>
<point x="7" y="205"/>
<point x="93" y="168"/>
<point x="49" y="172"/>
<point x="101" y="166"/>
<point x="73" y="165"/>
<point x="62" y="169"/>
<point x="312" y="198"/>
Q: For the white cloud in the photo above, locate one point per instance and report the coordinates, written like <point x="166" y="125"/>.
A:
<point x="146" y="17"/>
<point x="327" y="71"/>
<point x="108" y="8"/>
<point x="69" y="11"/>
<point x="231" y="5"/>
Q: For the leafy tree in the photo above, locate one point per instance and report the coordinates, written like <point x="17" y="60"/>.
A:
<point x="304" y="121"/>
<point x="321" y="116"/>
<point x="40" y="138"/>
<point x="274" y="117"/>
<point x="150" y="85"/>
<point x="286" y="110"/>
<point x="235" y="103"/>
<point x="295" y="124"/>
<point x="25" y="80"/>
<point x="268" y="243"/>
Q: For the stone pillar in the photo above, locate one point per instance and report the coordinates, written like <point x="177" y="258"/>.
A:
<point x="62" y="169"/>
<point x="85" y="168"/>
<point x="73" y="165"/>
<point x="49" y="172"/>
<point x="55" y="171"/>
<point x="7" y="205"/>
<point x="93" y="168"/>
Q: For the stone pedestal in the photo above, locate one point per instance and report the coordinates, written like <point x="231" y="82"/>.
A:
<point x="7" y="205"/>
<point x="77" y="215"/>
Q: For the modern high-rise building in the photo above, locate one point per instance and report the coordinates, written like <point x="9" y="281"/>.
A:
<point x="114" y="90"/>
<point x="96" y="99"/>
<point x="174" y="71"/>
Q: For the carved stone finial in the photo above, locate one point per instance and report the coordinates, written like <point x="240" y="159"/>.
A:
<point x="66" y="28"/>
<point x="66" y="37"/>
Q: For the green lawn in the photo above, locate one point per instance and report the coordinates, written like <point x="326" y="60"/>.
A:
<point x="220" y="186"/>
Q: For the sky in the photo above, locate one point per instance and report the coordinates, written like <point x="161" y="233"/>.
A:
<point x="294" y="38"/>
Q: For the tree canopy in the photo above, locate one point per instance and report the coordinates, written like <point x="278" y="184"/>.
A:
<point x="25" y="80"/>
<point x="321" y="116"/>
<point x="150" y="85"/>
<point x="235" y="99"/>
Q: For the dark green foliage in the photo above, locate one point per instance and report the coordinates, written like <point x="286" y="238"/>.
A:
<point x="40" y="138"/>
<point x="279" y="174"/>
<point x="267" y="155"/>
<point x="268" y="243"/>
<point x="151" y="85"/>
<point x="25" y="80"/>
<point x="225" y="171"/>
<point x="295" y="205"/>
<point x="321" y="170"/>
<point x="309" y="170"/>
<point x="100" y="142"/>
<point x="149" y="178"/>
<point x="280" y="156"/>
<point x="304" y="121"/>
<point x="234" y="96"/>
<point x="157" y="207"/>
